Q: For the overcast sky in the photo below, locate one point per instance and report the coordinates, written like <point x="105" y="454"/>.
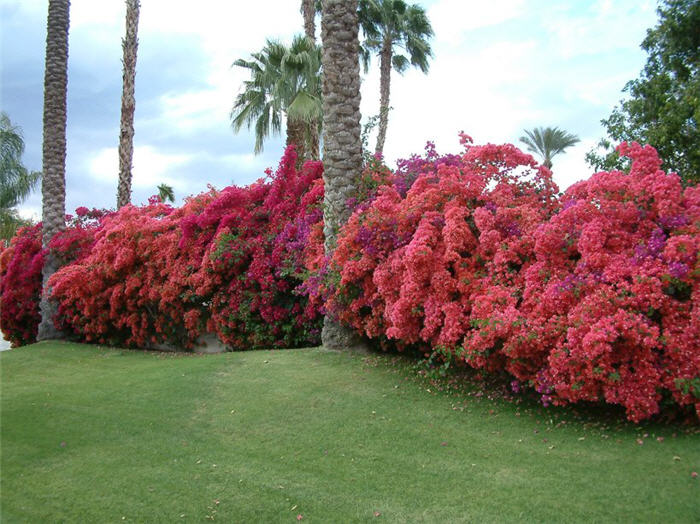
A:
<point x="500" y="66"/>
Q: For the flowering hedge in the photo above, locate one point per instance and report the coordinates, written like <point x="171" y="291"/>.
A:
<point x="20" y="285"/>
<point x="425" y="267"/>
<point x="20" y="271"/>
<point x="227" y="262"/>
<point x="614" y="295"/>
<point x="593" y="296"/>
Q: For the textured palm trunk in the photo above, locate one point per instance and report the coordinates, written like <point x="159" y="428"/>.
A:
<point x="342" y="147"/>
<point x="384" y="88"/>
<point x="313" y="138"/>
<point x="53" y="182"/>
<point x="126" y="135"/>
<point x="308" y="9"/>
<point x="296" y="134"/>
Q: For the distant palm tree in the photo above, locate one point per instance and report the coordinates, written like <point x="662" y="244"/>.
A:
<point x="130" y="45"/>
<point x="389" y="26"/>
<point x="309" y="8"/>
<point x="284" y="84"/>
<point x="16" y="182"/>
<point x="166" y="193"/>
<point x="342" y="145"/>
<point x="53" y="186"/>
<point x="547" y="142"/>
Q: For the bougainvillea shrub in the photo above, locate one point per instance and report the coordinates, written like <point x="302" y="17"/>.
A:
<point x="227" y="262"/>
<point x="592" y="296"/>
<point x="614" y="294"/>
<point x="20" y="271"/>
<point x="20" y="286"/>
<point x="589" y="296"/>
<point x="112" y="295"/>
<point x="320" y="279"/>
<point x="411" y="266"/>
<point x="255" y="258"/>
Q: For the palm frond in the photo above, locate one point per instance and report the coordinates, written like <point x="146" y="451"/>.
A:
<point x="16" y="181"/>
<point x="547" y="142"/>
<point x="305" y="107"/>
<point x="278" y="76"/>
<point x="399" y="63"/>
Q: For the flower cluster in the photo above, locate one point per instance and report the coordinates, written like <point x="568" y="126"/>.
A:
<point x="227" y="262"/>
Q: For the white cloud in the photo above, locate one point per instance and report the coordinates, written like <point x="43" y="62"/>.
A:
<point x="30" y="212"/>
<point x="570" y="167"/>
<point x="499" y="66"/>
<point x="226" y="30"/>
<point x="150" y="167"/>
<point x="452" y="21"/>
<point x="196" y="110"/>
<point x="97" y="15"/>
<point x="598" y="28"/>
<point x="486" y="95"/>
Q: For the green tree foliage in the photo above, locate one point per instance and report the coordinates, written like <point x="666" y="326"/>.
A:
<point x="16" y="182"/>
<point x="547" y="142"/>
<point x="663" y="108"/>
<point x="284" y="85"/>
<point x="166" y="193"/>
<point x="399" y="33"/>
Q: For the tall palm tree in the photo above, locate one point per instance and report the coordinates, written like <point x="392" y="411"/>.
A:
<point x="16" y="182"/>
<point x="309" y="8"/>
<point x="53" y="186"/>
<point x="342" y="145"/>
<point x="130" y="45"/>
<point x="399" y="33"/>
<point x="284" y="85"/>
<point x="547" y="142"/>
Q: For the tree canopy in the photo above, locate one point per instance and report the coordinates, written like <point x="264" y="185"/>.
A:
<point x="547" y="142"/>
<point x="400" y="35"/>
<point x="16" y="181"/>
<point x="663" y="108"/>
<point x="284" y="85"/>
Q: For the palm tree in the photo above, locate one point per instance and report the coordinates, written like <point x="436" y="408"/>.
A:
<point x="548" y="142"/>
<point x="16" y="182"/>
<point x="166" y="193"/>
<point x="342" y="145"/>
<point x="130" y="45"/>
<point x="53" y="186"/>
<point x="284" y="84"/>
<point x="309" y="8"/>
<point x="399" y="34"/>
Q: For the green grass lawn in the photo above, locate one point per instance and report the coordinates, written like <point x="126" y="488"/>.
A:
<point x="92" y="434"/>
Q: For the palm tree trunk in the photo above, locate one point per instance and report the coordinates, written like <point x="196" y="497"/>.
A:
<point x="342" y="146"/>
<point x="308" y="9"/>
<point x="384" y="87"/>
<point x="126" y="135"/>
<point x="313" y="138"/>
<point x="53" y="186"/>
<point x="296" y="134"/>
